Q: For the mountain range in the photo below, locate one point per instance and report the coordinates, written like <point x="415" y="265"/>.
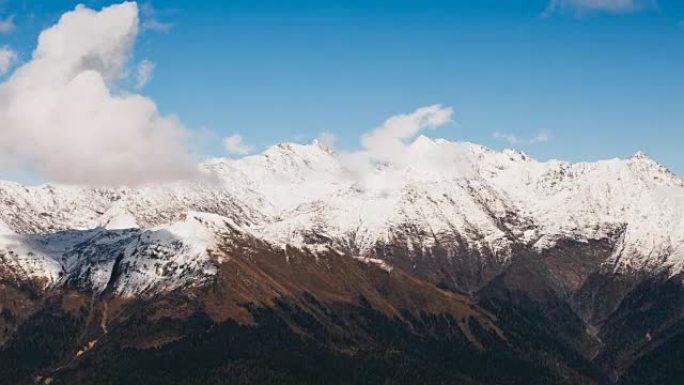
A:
<point x="456" y="264"/>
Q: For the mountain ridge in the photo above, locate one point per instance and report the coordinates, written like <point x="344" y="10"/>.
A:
<point x="456" y="195"/>
<point x="571" y="270"/>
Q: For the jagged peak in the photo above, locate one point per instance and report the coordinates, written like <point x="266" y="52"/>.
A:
<point x="643" y="158"/>
<point x="640" y="155"/>
<point x="289" y="150"/>
<point x="645" y="164"/>
<point x="517" y="154"/>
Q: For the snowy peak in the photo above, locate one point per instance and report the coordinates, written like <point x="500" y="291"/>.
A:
<point x="433" y="196"/>
<point x="653" y="171"/>
<point x="640" y="155"/>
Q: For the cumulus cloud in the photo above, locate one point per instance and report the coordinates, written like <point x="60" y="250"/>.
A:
<point x="609" y="6"/>
<point x="234" y="144"/>
<point x="60" y="117"/>
<point x="143" y="73"/>
<point x="7" y="25"/>
<point x="512" y="139"/>
<point x="150" y="19"/>
<point x="7" y="59"/>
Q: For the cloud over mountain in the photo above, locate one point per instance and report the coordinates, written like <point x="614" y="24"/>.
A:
<point x="388" y="141"/>
<point x="234" y="144"/>
<point x="394" y="146"/>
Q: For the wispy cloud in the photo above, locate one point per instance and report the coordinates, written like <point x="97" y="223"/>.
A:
<point x="61" y="116"/>
<point x="582" y="7"/>
<point x="151" y="21"/>
<point x="7" y="58"/>
<point x="385" y="143"/>
<point x="396" y="145"/>
<point x="513" y="139"/>
<point x="143" y="73"/>
<point x="234" y="144"/>
<point x="7" y="25"/>
<point x="542" y="137"/>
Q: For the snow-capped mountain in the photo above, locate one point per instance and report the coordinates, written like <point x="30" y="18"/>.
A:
<point x="451" y="198"/>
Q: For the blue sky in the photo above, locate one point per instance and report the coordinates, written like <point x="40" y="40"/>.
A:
<point x="599" y="82"/>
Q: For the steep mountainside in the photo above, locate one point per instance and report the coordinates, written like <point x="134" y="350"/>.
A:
<point x="561" y="263"/>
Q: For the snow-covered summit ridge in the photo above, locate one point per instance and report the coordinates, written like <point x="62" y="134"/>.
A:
<point x="462" y="195"/>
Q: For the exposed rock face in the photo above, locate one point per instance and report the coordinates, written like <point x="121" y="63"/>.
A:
<point x="571" y="255"/>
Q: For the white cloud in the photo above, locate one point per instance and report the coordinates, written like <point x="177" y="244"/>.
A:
<point x="7" y="25"/>
<point x="589" y="6"/>
<point x="60" y="117"/>
<point x="235" y="145"/>
<point x="150" y="19"/>
<point x="143" y="73"/>
<point x="512" y="139"/>
<point x="7" y="59"/>
<point x="396" y="145"/>
<point x="385" y="143"/>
